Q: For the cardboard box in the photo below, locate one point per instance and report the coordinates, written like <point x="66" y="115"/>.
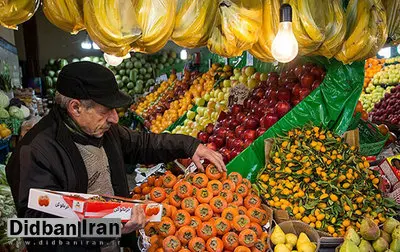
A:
<point x="79" y="205"/>
<point x="390" y="172"/>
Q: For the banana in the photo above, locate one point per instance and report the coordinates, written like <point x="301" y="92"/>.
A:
<point x="262" y="49"/>
<point x="112" y="25"/>
<point x="65" y="14"/>
<point x="193" y="22"/>
<point x="307" y="14"/>
<point x="392" y="8"/>
<point x="157" y="23"/>
<point x="13" y="13"/>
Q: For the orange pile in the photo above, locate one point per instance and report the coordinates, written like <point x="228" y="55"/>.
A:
<point x="209" y="211"/>
<point x="372" y="66"/>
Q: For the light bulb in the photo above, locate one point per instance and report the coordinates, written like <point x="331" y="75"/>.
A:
<point x="86" y="45"/>
<point x="385" y="52"/>
<point x="95" y="46"/>
<point x="284" y="46"/>
<point x="113" y="60"/>
<point x="183" y="54"/>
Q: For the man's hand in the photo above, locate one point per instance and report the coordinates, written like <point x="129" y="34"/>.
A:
<point x="202" y="152"/>
<point x="137" y="221"/>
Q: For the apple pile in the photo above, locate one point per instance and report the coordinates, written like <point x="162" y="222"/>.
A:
<point x="247" y="76"/>
<point x="388" y="109"/>
<point x="267" y="103"/>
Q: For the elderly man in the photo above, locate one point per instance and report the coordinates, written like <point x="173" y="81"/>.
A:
<point x="79" y="147"/>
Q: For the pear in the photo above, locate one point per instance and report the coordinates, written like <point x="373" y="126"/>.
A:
<point x="281" y="248"/>
<point x="291" y="239"/>
<point x="349" y="246"/>
<point x="302" y="239"/>
<point x="380" y="245"/>
<point x="352" y="235"/>
<point x="278" y="236"/>
<point x="306" y="247"/>
<point x="369" y="230"/>
<point x="386" y="236"/>
<point x="365" y="246"/>
<point x="289" y="246"/>
<point x="390" y="224"/>
<point x="395" y="245"/>
<point x="396" y="233"/>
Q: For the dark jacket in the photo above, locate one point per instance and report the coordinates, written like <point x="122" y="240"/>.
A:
<point x="48" y="158"/>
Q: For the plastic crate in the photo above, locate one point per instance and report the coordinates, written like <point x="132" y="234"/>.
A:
<point x="371" y="139"/>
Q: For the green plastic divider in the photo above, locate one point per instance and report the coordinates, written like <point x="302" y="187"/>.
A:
<point x="332" y="105"/>
<point x="180" y="120"/>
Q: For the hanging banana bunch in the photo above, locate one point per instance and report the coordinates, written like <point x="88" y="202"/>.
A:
<point x="13" y="13"/>
<point x="193" y="22"/>
<point x="65" y="14"/>
<point x="156" y="19"/>
<point x="112" y="25"/>
<point x="392" y="8"/>
<point x="241" y="22"/>
<point x="334" y="22"/>
<point x="366" y="30"/>
<point x="262" y="49"/>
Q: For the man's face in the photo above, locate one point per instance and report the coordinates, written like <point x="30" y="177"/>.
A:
<point x="95" y="121"/>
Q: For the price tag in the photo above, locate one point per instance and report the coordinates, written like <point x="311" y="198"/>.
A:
<point x="226" y="60"/>
<point x="179" y="76"/>
<point x="249" y="59"/>
<point x="238" y="94"/>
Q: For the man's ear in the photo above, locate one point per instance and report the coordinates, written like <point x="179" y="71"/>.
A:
<point x="74" y="108"/>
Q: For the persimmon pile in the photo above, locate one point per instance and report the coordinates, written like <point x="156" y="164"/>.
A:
<point x="209" y="211"/>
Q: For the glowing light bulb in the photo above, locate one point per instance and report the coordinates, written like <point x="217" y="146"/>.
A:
<point x="183" y="54"/>
<point x="284" y="46"/>
<point x="86" y="45"/>
<point x="95" y="46"/>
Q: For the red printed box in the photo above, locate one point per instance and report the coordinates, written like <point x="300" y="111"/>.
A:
<point x="390" y="171"/>
<point x="80" y="205"/>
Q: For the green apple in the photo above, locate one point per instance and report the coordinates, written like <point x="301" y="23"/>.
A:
<point x="190" y="115"/>
<point x="200" y="101"/>
<point x="263" y="77"/>
<point x="226" y="83"/>
<point x="252" y="83"/>
<point x="214" y="115"/>
<point x="250" y="71"/>
<point x="243" y="79"/>
<point x="200" y="110"/>
<point x="207" y="97"/>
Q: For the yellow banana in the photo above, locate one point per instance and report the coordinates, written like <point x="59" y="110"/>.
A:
<point x="193" y="22"/>
<point x="13" y="13"/>
<point x="392" y="8"/>
<point x="156" y="20"/>
<point x="65" y="14"/>
<point x="307" y="12"/>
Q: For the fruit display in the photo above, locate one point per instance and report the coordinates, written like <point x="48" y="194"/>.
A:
<point x="372" y="95"/>
<point x="267" y="103"/>
<point x="67" y="16"/>
<point x="209" y="211"/>
<point x="394" y="60"/>
<point x="247" y="76"/>
<point x="322" y="181"/>
<point x="388" y="109"/>
<point x="360" y="109"/>
<point x="372" y="238"/>
<point x="291" y="242"/>
<point x="51" y="71"/>
<point x="389" y="75"/>
<point x="372" y="66"/>
<point x="16" y="12"/>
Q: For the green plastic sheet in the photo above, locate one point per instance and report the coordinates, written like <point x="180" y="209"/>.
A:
<point x="332" y="105"/>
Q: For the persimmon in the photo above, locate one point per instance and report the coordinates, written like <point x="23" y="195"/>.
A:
<point x="184" y="250"/>
<point x="259" y="246"/>
<point x="264" y="238"/>
<point x="222" y="226"/>
<point x="151" y="229"/>
<point x="189" y="178"/>
<point x="200" y="180"/>
<point x="242" y="249"/>
<point x="237" y="199"/>
<point x="173" y="210"/>
<point x="194" y="221"/>
<point x="242" y="190"/>
<point x="146" y="190"/>
<point x="158" y="194"/>
<point x="246" y="182"/>
<point x="137" y="190"/>
<point x="242" y="210"/>
<point x="257" y="215"/>
<point x="171" y="244"/>
<point x="252" y="201"/>
<point x="235" y="177"/>
<point x="189" y="204"/>
<point x="174" y="199"/>
<point x="247" y="237"/>
<point x="227" y="195"/>
<point x="206" y="230"/>
<point x="158" y="182"/>
<point x="230" y="240"/>
<point x="215" y="186"/>
<point x="166" y="227"/>
<point x="212" y="172"/>
<point x="155" y="240"/>
<point x="218" y="204"/>
<point x="151" y="180"/>
<point x="166" y="211"/>
<point x="229" y="213"/>
<point x="229" y="185"/>
<point x="182" y="218"/>
<point x="241" y="222"/>
<point x="194" y="191"/>
<point x="197" y="244"/>
<point x="159" y="250"/>
<point x="204" y="195"/>
<point x="185" y="234"/>
<point x="185" y="189"/>
<point x="204" y="212"/>
<point x="256" y="228"/>
<point x="177" y="184"/>
<point x="169" y="180"/>
<point x="215" y="244"/>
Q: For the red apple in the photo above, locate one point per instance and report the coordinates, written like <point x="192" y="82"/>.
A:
<point x="233" y="123"/>
<point x="239" y="130"/>
<point x="307" y="80"/>
<point x="212" y="146"/>
<point x="237" y="144"/>
<point x="295" y="102"/>
<point x="234" y="153"/>
<point x="270" y="110"/>
<point x="258" y="110"/>
<point x="268" y="120"/>
<point x="316" y="84"/>
<point x="258" y="92"/>
<point x="222" y="116"/>
<point x="307" y="67"/>
<point x="210" y="128"/>
<point x="251" y="123"/>
<point x="230" y="134"/>
<point x="296" y="90"/>
<point x="247" y="142"/>
<point x="304" y="92"/>
<point x="221" y="132"/>
<point x="298" y="71"/>
<point x="283" y="94"/>
<point x="282" y="107"/>
<point x="271" y="93"/>
<point x="236" y="108"/>
<point x="240" y="116"/>
<point x="250" y="134"/>
<point x="260" y="131"/>
<point x="317" y="72"/>
<point x="226" y="154"/>
<point x="219" y="141"/>
<point x="203" y="136"/>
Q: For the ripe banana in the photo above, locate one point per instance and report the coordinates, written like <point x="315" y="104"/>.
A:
<point x="262" y="49"/>
<point x="112" y="25"/>
<point x="156" y="19"/>
<point x="13" y="13"/>
<point x="65" y="14"/>
<point x="193" y="22"/>
<point x="392" y="8"/>
<point x="308" y="12"/>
